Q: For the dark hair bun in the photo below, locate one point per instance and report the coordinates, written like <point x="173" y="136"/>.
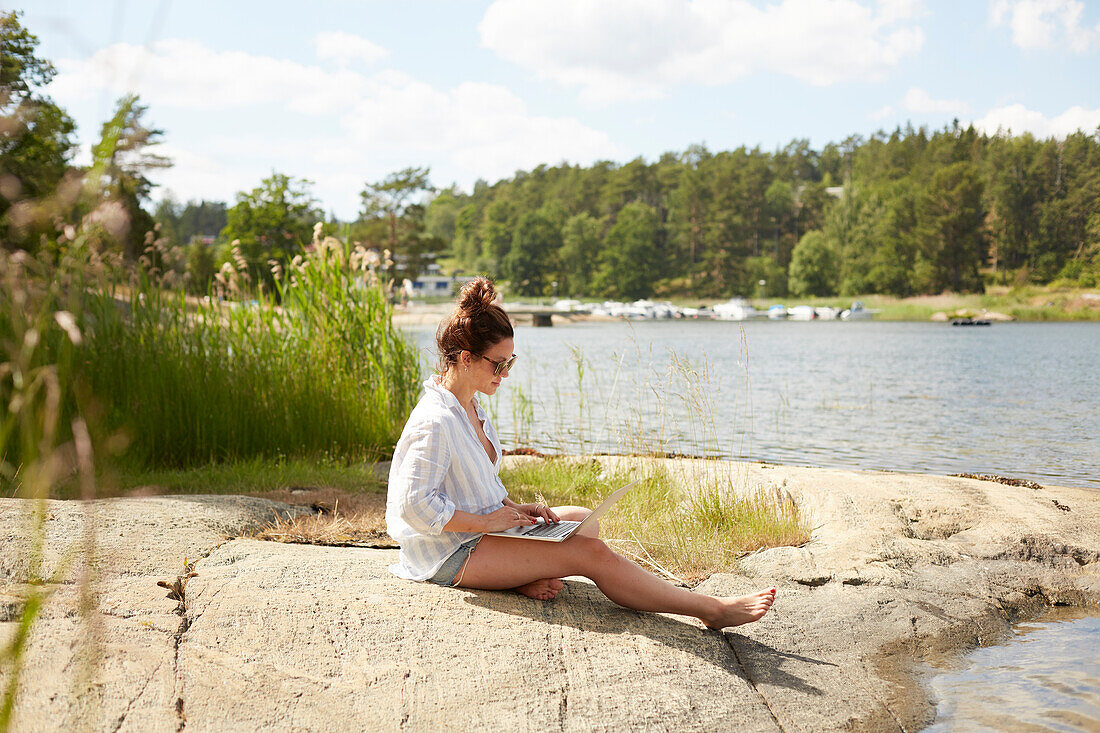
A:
<point x="476" y="323"/>
<point x="477" y="296"/>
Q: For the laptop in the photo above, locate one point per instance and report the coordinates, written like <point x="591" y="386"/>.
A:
<point x="563" y="530"/>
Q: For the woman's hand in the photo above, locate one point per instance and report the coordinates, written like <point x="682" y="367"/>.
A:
<point x="539" y="510"/>
<point x="505" y="518"/>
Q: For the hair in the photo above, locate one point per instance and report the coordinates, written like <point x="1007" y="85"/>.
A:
<point x="476" y="323"/>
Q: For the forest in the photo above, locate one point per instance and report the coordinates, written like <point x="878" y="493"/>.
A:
<point x="903" y="213"/>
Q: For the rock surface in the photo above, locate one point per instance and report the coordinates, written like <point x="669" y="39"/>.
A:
<point x="293" y="637"/>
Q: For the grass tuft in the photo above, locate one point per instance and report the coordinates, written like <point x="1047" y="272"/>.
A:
<point x="684" y="522"/>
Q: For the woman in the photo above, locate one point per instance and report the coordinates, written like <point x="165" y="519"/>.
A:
<point x="445" y="492"/>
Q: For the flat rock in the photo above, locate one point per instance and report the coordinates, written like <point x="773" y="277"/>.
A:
<point x="131" y="536"/>
<point x="900" y="568"/>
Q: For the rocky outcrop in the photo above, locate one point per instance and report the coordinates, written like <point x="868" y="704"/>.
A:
<point x="292" y="637"/>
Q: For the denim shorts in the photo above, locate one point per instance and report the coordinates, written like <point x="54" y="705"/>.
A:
<point x="448" y="571"/>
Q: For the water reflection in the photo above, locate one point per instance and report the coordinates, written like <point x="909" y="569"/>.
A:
<point x="1016" y="399"/>
<point x="1047" y="677"/>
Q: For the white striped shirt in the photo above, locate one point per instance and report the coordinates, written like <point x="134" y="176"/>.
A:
<point x="439" y="466"/>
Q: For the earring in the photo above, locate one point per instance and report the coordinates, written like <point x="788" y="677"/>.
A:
<point x="467" y="367"/>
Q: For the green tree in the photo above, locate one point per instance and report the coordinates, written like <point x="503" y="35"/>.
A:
<point x="496" y="235"/>
<point x="764" y="267"/>
<point x="126" y="159"/>
<point x="779" y="202"/>
<point x="814" y="266"/>
<point x="579" y="252"/>
<point x="202" y="219"/>
<point x="951" y="227"/>
<point x="201" y="265"/>
<point x="416" y="244"/>
<point x="272" y="221"/>
<point x="388" y="199"/>
<point x="36" y="141"/>
<point x="1012" y="201"/>
<point x="442" y="215"/>
<point x="534" y="244"/>
<point x="465" y="245"/>
<point x="166" y="216"/>
<point x="848" y="231"/>
<point x="688" y="206"/>
<point x="630" y="261"/>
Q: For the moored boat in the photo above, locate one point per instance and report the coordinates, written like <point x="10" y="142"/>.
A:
<point x="737" y="309"/>
<point x="856" y="313"/>
<point x="801" y="313"/>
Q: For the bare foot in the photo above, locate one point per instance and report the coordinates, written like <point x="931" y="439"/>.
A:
<point x="743" y="610"/>
<point x="541" y="590"/>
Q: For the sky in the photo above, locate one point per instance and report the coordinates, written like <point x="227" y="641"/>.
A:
<point x="344" y="92"/>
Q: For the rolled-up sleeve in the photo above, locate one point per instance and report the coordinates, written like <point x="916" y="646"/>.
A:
<point x="422" y="503"/>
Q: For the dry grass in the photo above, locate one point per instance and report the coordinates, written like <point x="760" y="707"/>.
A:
<point x="339" y="518"/>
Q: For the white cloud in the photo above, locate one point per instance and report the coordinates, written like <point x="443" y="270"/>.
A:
<point x="1018" y="119"/>
<point x="360" y="126"/>
<point x="201" y="175"/>
<point x="185" y="73"/>
<point x="345" y="48"/>
<point x="919" y="101"/>
<point x="1035" y="23"/>
<point x="636" y="49"/>
<point x="483" y="127"/>
<point x="882" y="113"/>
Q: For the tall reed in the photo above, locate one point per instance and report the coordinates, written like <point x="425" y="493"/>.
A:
<point x="314" y="368"/>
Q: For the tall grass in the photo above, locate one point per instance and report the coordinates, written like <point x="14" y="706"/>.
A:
<point x="314" y="368"/>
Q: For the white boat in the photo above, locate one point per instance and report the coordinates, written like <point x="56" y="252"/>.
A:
<point x="827" y="313"/>
<point x="857" y="313"/>
<point x="699" y="314"/>
<point x="636" y="311"/>
<point x="802" y="313"/>
<point x="664" y="311"/>
<point x="737" y="309"/>
<point x="777" y="312"/>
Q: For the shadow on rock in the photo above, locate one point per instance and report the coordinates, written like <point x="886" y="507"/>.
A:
<point x="585" y="608"/>
<point x="765" y="664"/>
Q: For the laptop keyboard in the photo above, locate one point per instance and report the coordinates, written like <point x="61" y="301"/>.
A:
<point x="551" y="530"/>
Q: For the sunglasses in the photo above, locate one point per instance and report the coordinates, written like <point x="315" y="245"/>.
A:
<point x="499" y="367"/>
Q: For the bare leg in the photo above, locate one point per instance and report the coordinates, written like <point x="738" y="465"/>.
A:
<point x="501" y="562"/>
<point x="545" y="589"/>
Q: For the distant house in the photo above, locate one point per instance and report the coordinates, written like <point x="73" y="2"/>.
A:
<point x="430" y="283"/>
<point x="835" y="191"/>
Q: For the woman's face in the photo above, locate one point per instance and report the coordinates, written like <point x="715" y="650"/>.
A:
<point x="481" y="371"/>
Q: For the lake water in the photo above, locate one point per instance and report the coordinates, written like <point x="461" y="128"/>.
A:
<point x="1047" y="677"/>
<point x="1014" y="399"/>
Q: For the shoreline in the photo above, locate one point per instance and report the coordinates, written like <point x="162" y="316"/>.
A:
<point x="925" y="309"/>
<point x="900" y="568"/>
